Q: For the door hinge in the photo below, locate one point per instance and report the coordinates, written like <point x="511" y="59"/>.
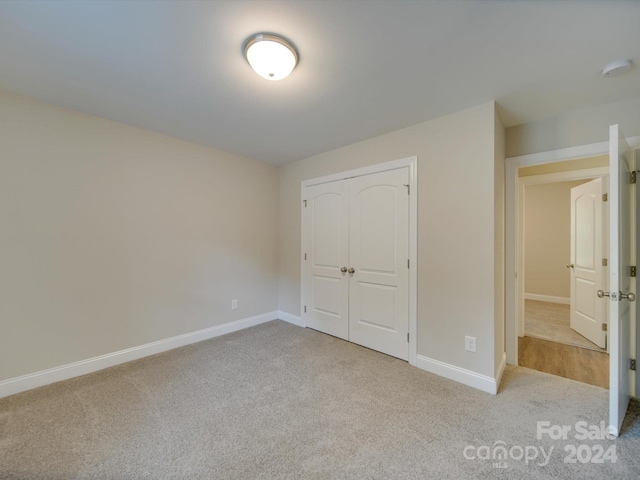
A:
<point x="305" y="256"/>
<point x="305" y="203"/>
<point x="604" y="327"/>
<point x="305" y="309"/>
<point x="632" y="271"/>
<point x="632" y="177"/>
<point x="605" y="197"/>
<point x="632" y="364"/>
<point x="408" y="189"/>
<point x="408" y="263"/>
<point x="605" y="262"/>
<point x="407" y="337"/>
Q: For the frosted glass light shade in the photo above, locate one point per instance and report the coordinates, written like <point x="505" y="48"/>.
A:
<point x="272" y="57"/>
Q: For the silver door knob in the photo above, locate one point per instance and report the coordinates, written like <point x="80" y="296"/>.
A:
<point x="629" y="296"/>
<point x="601" y="294"/>
<point x="343" y="269"/>
<point x="352" y="270"/>
<point x="570" y="265"/>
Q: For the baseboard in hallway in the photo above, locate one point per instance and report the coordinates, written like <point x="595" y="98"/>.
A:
<point x="568" y="361"/>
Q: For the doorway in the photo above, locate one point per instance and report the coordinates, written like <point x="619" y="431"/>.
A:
<point x="562" y="243"/>
<point x="539" y="169"/>
<point x="622" y="252"/>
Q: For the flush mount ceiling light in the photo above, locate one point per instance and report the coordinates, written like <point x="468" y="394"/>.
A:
<point x="271" y="56"/>
<point x="616" y="68"/>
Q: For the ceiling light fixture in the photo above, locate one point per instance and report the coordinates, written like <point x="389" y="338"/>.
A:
<point x="271" y="56"/>
<point x="616" y="68"/>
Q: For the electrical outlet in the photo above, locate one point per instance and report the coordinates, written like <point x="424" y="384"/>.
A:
<point x="234" y="304"/>
<point x="470" y="344"/>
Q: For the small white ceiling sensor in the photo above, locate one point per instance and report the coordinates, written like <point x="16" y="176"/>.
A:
<point x="616" y="68"/>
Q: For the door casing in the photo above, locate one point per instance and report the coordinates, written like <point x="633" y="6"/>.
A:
<point x="412" y="164"/>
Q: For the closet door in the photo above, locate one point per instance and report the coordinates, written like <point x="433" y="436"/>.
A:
<point x="378" y="255"/>
<point x="327" y="235"/>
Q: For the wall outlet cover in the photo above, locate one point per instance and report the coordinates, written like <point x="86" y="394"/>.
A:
<point x="470" y="344"/>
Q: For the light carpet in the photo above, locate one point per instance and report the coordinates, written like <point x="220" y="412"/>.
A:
<point x="279" y="401"/>
<point x="551" y="321"/>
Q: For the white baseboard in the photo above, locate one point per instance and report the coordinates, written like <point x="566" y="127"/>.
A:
<point x="64" y="372"/>
<point x="288" y="317"/>
<point x="547" y="298"/>
<point x="460" y="375"/>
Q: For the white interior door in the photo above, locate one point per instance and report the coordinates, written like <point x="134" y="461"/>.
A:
<point x="327" y="236"/>
<point x="378" y="261"/>
<point x="621" y="163"/>
<point x="356" y="278"/>
<point x="588" y="315"/>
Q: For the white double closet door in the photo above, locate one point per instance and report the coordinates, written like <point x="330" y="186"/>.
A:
<point x="356" y="242"/>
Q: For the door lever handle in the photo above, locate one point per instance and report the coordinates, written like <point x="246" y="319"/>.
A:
<point x="601" y="294"/>
<point x="570" y="265"/>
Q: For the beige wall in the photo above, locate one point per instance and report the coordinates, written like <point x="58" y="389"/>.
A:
<point x="113" y="236"/>
<point x="580" y="127"/>
<point x="456" y="228"/>
<point x="547" y="238"/>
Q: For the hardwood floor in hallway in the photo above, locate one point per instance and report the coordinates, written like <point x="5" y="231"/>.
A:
<point x="581" y="364"/>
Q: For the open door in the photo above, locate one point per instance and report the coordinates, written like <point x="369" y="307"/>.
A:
<point x="620" y="295"/>
<point x="588" y="315"/>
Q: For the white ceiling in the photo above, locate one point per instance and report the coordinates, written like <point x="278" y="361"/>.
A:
<point x="366" y="68"/>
